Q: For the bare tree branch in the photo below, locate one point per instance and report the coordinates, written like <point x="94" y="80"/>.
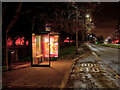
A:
<point x="18" y="10"/>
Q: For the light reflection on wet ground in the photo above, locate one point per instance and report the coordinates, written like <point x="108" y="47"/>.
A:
<point x="91" y="73"/>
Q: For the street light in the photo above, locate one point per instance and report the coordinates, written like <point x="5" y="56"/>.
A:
<point x="87" y="15"/>
<point x="91" y="36"/>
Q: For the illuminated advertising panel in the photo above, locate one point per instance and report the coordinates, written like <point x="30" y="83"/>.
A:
<point x="54" y="46"/>
<point x="45" y="45"/>
<point x="34" y="48"/>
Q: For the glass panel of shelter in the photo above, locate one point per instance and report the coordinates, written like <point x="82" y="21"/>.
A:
<point x="40" y="50"/>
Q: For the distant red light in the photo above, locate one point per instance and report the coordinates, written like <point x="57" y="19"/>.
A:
<point x="66" y="41"/>
<point x="67" y="38"/>
<point x="27" y="42"/>
<point x="112" y="42"/>
<point x="71" y="41"/>
<point x="9" y="42"/>
<point x="117" y="41"/>
<point x="20" y="41"/>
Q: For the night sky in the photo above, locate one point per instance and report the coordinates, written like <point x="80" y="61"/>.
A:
<point x="106" y="19"/>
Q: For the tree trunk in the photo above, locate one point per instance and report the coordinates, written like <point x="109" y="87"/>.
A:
<point x="18" y="10"/>
<point x="83" y="35"/>
<point x="76" y="41"/>
<point x="33" y="22"/>
<point x="77" y="23"/>
<point x="6" y="50"/>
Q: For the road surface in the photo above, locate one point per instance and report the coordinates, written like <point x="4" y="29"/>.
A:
<point x="98" y="70"/>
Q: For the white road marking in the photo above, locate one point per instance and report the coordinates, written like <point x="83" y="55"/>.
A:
<point x="95" y="65"/>
<point x="85" y="66"/>
<point x="81" y="69"/>
<point x="95" y="70"/>
<point x="82" y="64"/>
<point x="87" y="69"/>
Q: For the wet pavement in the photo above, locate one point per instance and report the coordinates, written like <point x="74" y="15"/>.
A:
<point x="37" y="77"/>
<point x="91" y="72"/>
<point x="23" y="75"/>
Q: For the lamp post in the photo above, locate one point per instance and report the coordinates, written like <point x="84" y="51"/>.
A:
<point x="87" y="18"/>
<point x="76" y="18"/>
<point x="87" y="37"/>
<point x="91" y="37"/>
<point x="77" y="31"/>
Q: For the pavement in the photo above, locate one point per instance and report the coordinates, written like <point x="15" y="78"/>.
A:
<point x="32" y="77"/>
<point x="25" y="76"/>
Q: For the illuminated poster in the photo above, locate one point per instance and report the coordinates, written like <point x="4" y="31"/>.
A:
<point x="45" y="45"/>
<point x="34" y="48"/>
<point x="54" y="46"/>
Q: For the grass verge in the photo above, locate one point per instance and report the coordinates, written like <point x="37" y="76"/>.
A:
<point x="67" y="50"/>
<point x="110" y="45"/>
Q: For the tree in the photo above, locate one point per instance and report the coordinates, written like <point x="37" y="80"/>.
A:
<point x="10" y="25"/>
<point x="100" y="39"/>
<point x="117" y="31"/>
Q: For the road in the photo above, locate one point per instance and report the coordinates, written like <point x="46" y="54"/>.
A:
<point x="98" y="70"/>
<point x="108" y="55"/>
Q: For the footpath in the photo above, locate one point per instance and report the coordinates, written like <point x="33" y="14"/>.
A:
<point x="25" y="76"/>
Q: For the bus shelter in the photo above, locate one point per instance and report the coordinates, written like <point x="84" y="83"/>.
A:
<point x="45" y="47"/>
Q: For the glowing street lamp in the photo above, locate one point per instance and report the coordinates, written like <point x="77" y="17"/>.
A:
<point x="87" y="15"/>
<point x="91" y="36"/>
